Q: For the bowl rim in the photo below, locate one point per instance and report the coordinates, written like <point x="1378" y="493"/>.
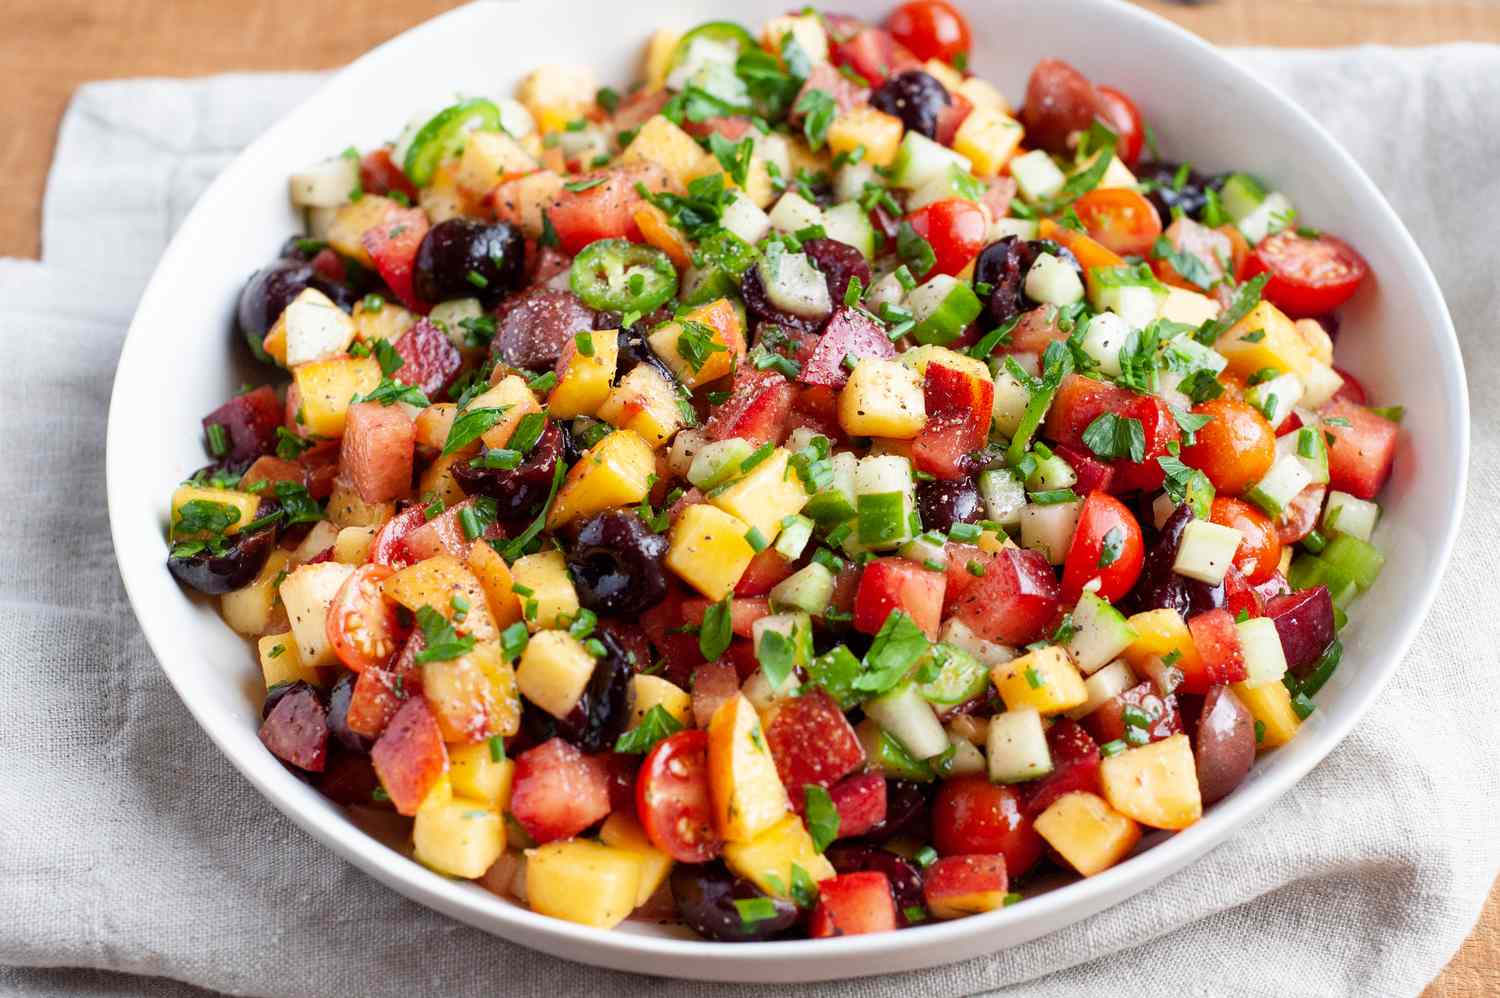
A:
<point x="1137" y="873"/>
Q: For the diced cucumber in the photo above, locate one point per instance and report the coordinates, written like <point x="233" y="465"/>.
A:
<point x="794" y="212"/>
<point x="1037" y="177"/>
<point x="1307" y="445"/>
<point x="1048" y="529"/>
<point x="718" y="462"/>
<point x="919" y="159"/>
<point x="889" y="755"/>
<point x="1265" y="661"/>
<point x="808" y="589"/>
<point x="942" y="309"/>
<point x="1269" y="217"/>
<point x="1360" y="560"/>
<point x="703" y="49"/>
<point x="763" y="694"/>
<point x="1276" y="398"/>
<point x="1100" y="633"/>
<point x="1135" y="303"/>
<point x="1240" y="195"/>
<point x="909" y="719"/>
<point x="1017" y="746"/>
<point x="449" y="314"/>
<point x="796" y="531"/>
<point x="961" y="758"/>
<point x="957" y="634"/>
<point x="1206" y="551"/>
<point x="792" y="283"/>
<point x="1350" y="515"/>
<point x="835" y="504"/>
<point x="1102" y="340"/>
<point x="924" y="548"/>
<point x="1322" y="382"/>
<point x="1051" y="472"/>
<point x="1011" y="400"/>
<point x="948" y="184"/>
<point x="1052" y="281"/>
<point x="327" y="184"/>
<point x="1309" y="571"/>
<point x="1106" y="684"/>
<point x="884" y="493"/>
<point x="960" y="676"/>
<point x="802" y="437"/>
<point x="1186" y="355"/>
<point x="1021" y="228"/>
<point x="1280" y="485"/>
<point x="849" y="182"/>
<point x="745" y="219"/>
<point x="887" y="290"/>
<point x="1004" y="497"/>
<point x="848" y="223"/>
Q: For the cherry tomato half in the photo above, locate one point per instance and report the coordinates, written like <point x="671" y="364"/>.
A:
<point x="1106" y="546"/>
<point x="955" y="229"/>
<point x="932" y="29"/>
<point x="1301" y="514"/>
<point x="972" y="815"/>
<point x="1119" y="219"/>
<point x="1161" y="432"/>
<point x="871" y="52"/>
<point x="1124" y="119"/>
<point x="361" y="625"/>
<point x="389" y="546"/>
<point x="1310" y="275"/>
<point x="672" y="798"/>
<point x="1234" y="448"/>
<point x="1259" y="554"/>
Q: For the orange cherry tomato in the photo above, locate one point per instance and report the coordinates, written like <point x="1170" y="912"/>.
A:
<point x="1234" y="448"/>
<point x="1259" y="554"/>
<point x="362" y="626"/>
<point x="955" y="229"/>
<point x="1120" y="219"/>
<point x="932" y="29"/>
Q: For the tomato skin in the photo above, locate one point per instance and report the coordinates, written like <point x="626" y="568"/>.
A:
<point x="362" y="627"/>
<point x="1161" y="432"/>
<point x="956" y="229"/>
<point x="932" y="29"/>
<point x="1235" y="448"/>
<point x="869" y="51"/>
<point x="1308" y="275"/>
<point x="1102" y="514"/>
<point x="1124" y="118"/>
<point x="1120" y="219"/>
<point x="672" y="798"/>
<point x="891" y="584"/>
<point x="1259" y="553"/>
<point x="972" y="815"/>
<point x="1059" y="101"/>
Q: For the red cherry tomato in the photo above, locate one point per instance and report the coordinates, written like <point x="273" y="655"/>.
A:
<point x="932" y="29"/>
<point x="672" y="798"/>
<point x="1124" y="119"/>
<point x="389" y="545"/>
<point x="871" y="52"/>
<point x="1107" y="545"/>
<point x="955" y="229"/>
<point x="1119" y="219"/>
<point x="1310" y="275"/>
<point x="362" y="627"/>
<point x="1259" y="554"/>
<point x="1161" y="431"/>
<point x="972" y="815"/>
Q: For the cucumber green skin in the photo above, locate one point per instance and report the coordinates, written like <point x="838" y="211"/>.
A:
<point x="829" y="509"/>
<point x="962" y="678"/>
<point x="719" y="31"/>
<point x="716" y="284"/>
<point x="892" y="757"/>
<point x="961" y="307"/>
<point x="1240" y="195"/>
<point x="439" y="135"/>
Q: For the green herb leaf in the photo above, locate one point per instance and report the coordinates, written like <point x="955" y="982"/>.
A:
<point x="822" y="816"/>
<point x="896" y="648"/>
<point x="656" y="725"/>
<point x="441" y="643"/>
<point x="819" y="108"/>
<point x="1112" y="437"/>
<point x="471" y="425"/>
<point x="717" y="629"/>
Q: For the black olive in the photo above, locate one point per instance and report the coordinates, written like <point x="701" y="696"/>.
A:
<point x="462" y="258"/>
<point x="1003" y="266"/>
<point x="944" y="503"/>
<point x="600" y="715"/>
<point x="339" y="699"/>
<point x="915" y="97"/>
<point x="616" y="563"/>
<point x="1159" y="587"/>
<point x="839" y="263"/>
<point x="1165" y="192"/>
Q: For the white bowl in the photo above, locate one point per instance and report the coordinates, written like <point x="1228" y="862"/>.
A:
<point x="177" y="364"/>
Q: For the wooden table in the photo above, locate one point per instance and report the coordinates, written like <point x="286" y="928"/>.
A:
<point x="51" y="46"/>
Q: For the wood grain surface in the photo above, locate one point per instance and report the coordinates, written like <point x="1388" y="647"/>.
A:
<point x="51" y="46"/>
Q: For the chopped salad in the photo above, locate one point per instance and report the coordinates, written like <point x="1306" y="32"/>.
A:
<point x="797" y="495"/>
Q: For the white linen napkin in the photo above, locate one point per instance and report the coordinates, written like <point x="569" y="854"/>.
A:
<point x="134" y="859"/>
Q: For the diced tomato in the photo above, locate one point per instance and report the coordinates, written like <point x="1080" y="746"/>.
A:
<point x="296" y="730"/>
<point x="1120" y="219"/>
<point x="1093" y="474"/>
<point x="249" y="423"/>
<point x="956" y="229"/>
<point x="362" y="626"/>
<point x="860" y="800"/>
<point x="959" y="409"/>
<point x="393" y="245"/>
<point x="1161" y="433"/>
<point x="852" y="904"/>
<point x="379" y="691"/>
<point x="743" y="612"/>
<point x="672" y="798"/>
<point x="557" y="791"/>
<point x="1075" y="766"/>
<point x="606" y="210"/>
<point x="409" y="757"/>
<point x="951" y="118"/>
<point x="1361" y="453"/>
<point x="870" y="52"/>
<point x="1109" y="722"/>
<point x="849" y="333"/>
<point x="765" y="570"/>
<point x="757" y="408"/>
<point x="1106" y="546"/>
<point x="1220" y="658"/>
<point x="1035" y="331"/>
<point x="1240" y="596"/>
<point x="389" y="545"/>
<point x="1235" y="448"/>
<point x="1014" y="602"/>
<point x="1300" y="516"/>
<point x="1078" y="402"/>
<point x="960" y="556"/>
<point x="972" y="815"/>
<point x="444" y="534"/>
<point x="712" y="684"/>
<point x="1310" y="275"/>
<point x="378" y="449"/>
<point x="812" y="743"/>
<point x="429" y="360"/>
<point x="1211" y="249"/>
<point x="891" y="584"/>
<point x="379" y="174"/>
<point x="1124" y="119"/>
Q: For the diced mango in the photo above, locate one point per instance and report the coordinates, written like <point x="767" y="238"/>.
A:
<point x="556" y="95"/>
<point x="806" y="30"/>
<point x="1159" y="633"/>
<point x="919" y="357"/>
<point x="437" y="481"/>
<point x="708" y="549"/>
<point x="486" y="157"/>
<point x="1087" y="832"/>
<point x="709" y="356"/>
<point x="248" y="610"/>
<point x="878" y="132"/>
<point x="657" y="230"/>
<point x="1265" y="337"/>
<point x="583" y="881"/>
<point x="767" y="860"/>
<point x="477" y="774"/>
<point x="435" y="582"/>
<point x="646" y="402"/>
<point x="614" y="472"/>
<point x="325" y="388"/>
<point x="545" y="574"/>
<point x="988" y="137"/>
<point x="1187" y="307"/>
<point x="513" y="397"/>
<point x="584" y="381"/>
<point x="748" y="797"/>
<point x="496" y="581"/>
<point x="460" y="838"/>
<point x="1271" y="705"/>
<point x="1045" y="679"/>
<point x="767" y="495"/>
<point x="523" y="200"/>
<point x="1156" y="784"/>
<point x="555" y="670"/>
<point x="661" y="142"/>
<point x="347" y="509"/>
<point x="621" y="831"/>
<point x="383" y="321"/>
<point x="245" y="503"/>
<point x="883" y="398"/>
<point x="983" y="93"/>
<point x="647" y="691"/>
<point x="433" y="424"/>
<point x="280" y="662"/>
